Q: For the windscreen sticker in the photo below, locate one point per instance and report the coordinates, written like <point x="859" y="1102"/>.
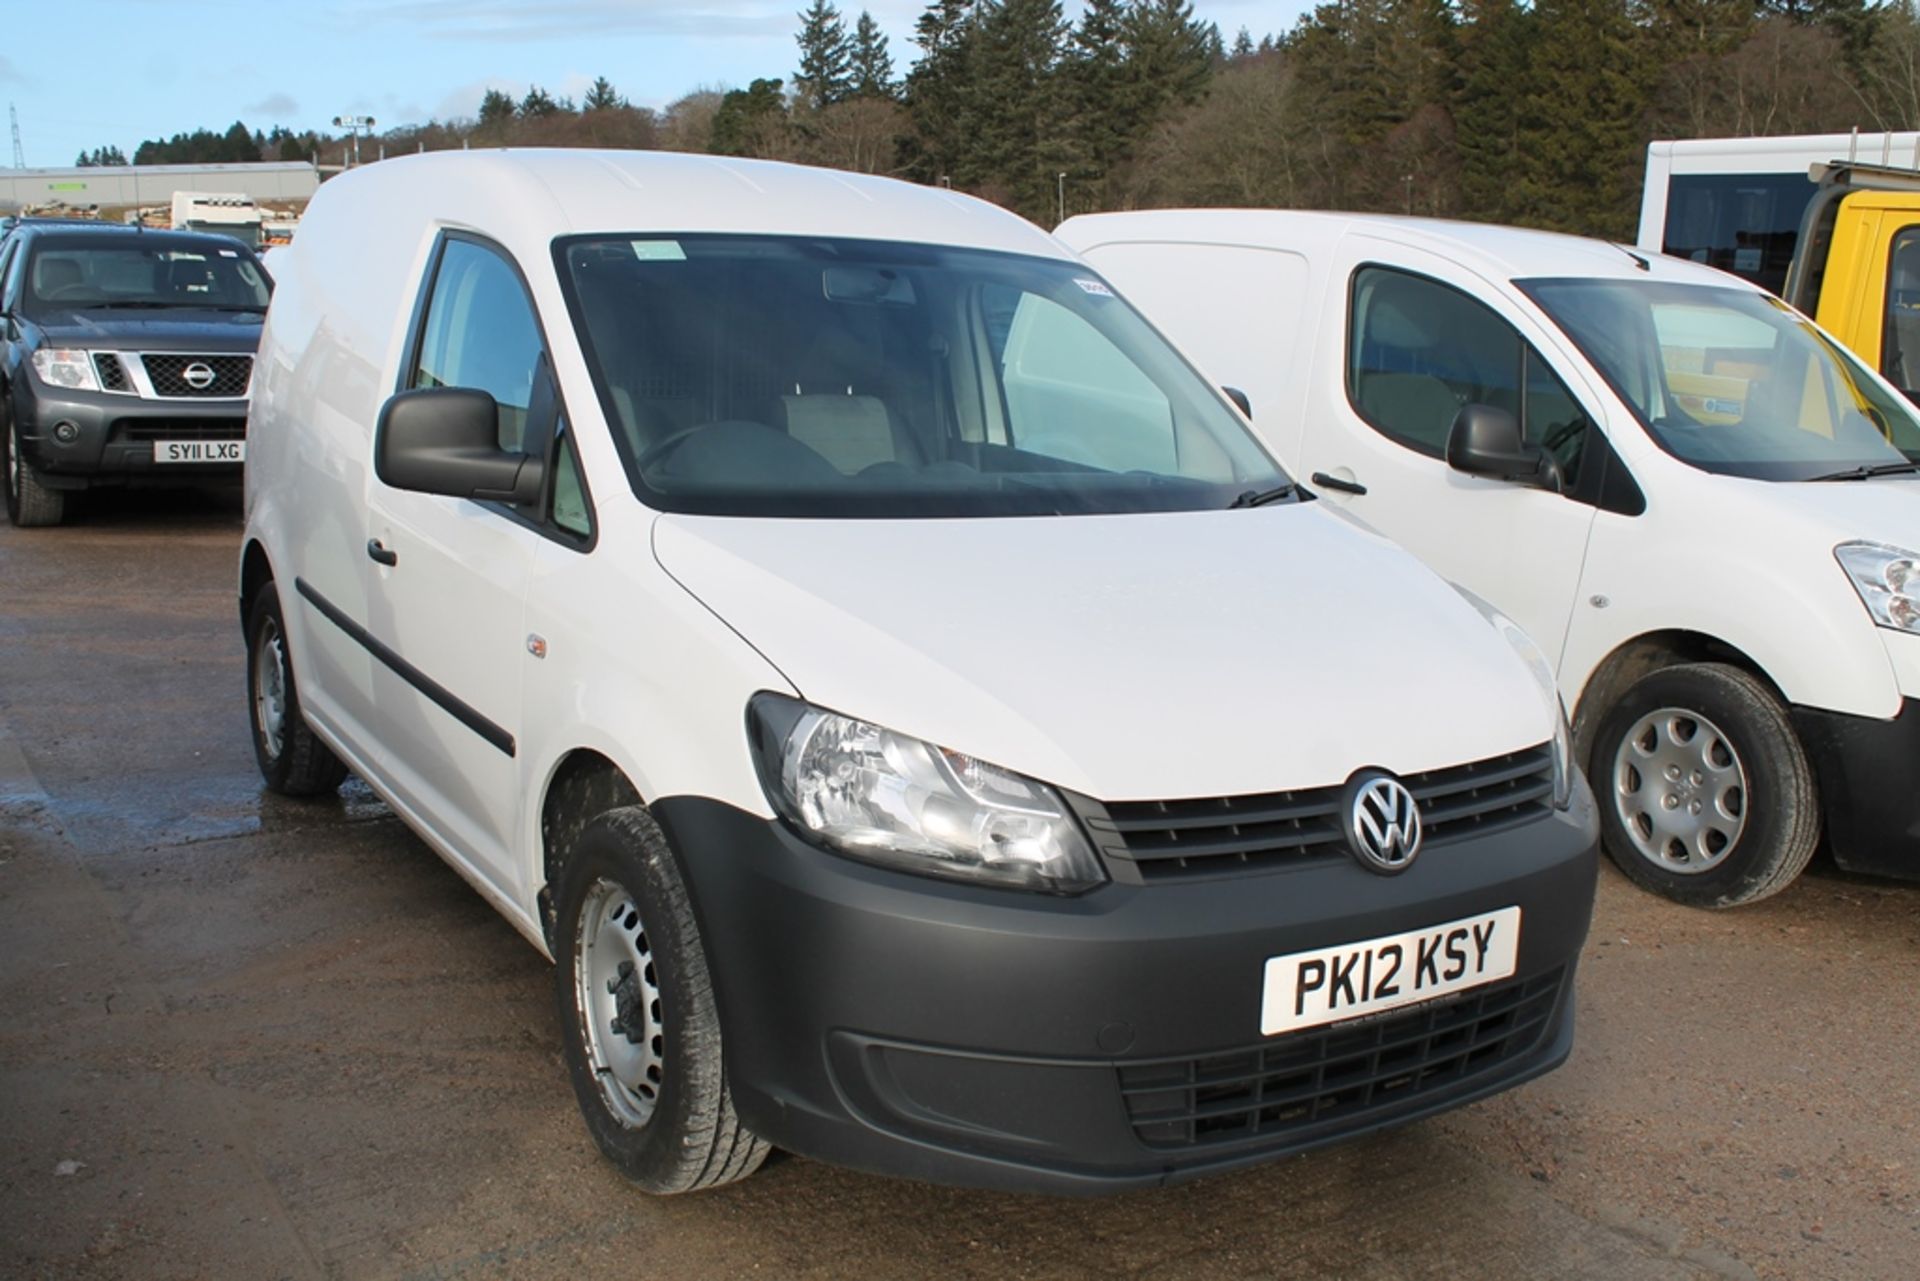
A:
<point x="658" y="251"/>
<point x="1097" y="288"/>
<point x="229" y="253"/>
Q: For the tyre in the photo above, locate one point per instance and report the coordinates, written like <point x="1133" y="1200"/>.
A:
<point x="637" y="1013"/>
<point x="292" y="759"/>
<point x="1706" y="794"/>
<point x="29" y="503"/>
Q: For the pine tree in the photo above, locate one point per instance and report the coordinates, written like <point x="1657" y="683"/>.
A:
<point x="602" y="96"/>
<point x="496" y="108"/>
<point x="1016" y="117"/>
<point x="1170" y="55"/>
<point x="870" y="72"/>
<point x="1577" y="159"/>
<point x="537" y="103"/>
<point x="1242" y="44"/>
<point x="1495" y="47"/>
<point x="938" y="92"/>
<point x="748" y="118"/>
<point x="1096" y="72"/>
<point x="826" y="56"/>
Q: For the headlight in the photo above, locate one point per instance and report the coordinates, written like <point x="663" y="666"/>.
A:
<point x="60" y="367"/>
<point x="1536" y="660"/>
<point x="1888" y="580"/>
<point x="872" y="794"/>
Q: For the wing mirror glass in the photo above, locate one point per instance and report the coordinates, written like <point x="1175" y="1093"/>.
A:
<point x="446" y="440"/>
<point x="1486" y="441"/>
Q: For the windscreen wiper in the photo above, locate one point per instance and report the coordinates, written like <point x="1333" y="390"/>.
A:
<point x="1261" y="497"/>
<point x="1868" y="473"/>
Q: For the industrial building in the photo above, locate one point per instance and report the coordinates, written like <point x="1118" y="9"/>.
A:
<point x="127" y="186"/>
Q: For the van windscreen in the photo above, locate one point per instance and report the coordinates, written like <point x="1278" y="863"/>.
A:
<point x="773" y="376"/>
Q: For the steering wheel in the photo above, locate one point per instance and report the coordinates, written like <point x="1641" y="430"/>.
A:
<point x="665" y="445"/>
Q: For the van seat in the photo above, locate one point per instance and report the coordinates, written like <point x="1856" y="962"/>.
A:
<point x="1416" y="407"/>
<point x="851" y="432"/>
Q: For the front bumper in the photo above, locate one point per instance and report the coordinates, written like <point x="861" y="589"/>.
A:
<point x="992" y="1038"/>
<point x="114" y="434"/>
<point x="1869" y="776"/>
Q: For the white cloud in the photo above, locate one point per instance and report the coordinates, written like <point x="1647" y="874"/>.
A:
<point x="278" y="106"/>
<point x="519" y="20"/>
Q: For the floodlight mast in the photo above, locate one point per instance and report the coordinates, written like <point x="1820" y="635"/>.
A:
<point x="355" y="126"/>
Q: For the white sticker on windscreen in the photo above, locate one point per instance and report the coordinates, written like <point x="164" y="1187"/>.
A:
<point x="1097" y="288"/>
<point x="658" y="251"/>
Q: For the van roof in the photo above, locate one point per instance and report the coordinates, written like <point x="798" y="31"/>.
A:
<point x="1507" y="253"/>
<point x="525" y="196"/>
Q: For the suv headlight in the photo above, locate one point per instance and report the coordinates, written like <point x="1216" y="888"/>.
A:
<point x="1536" y="660"/>
<point x="869" y="793"/>
<point x="62" y="367"/>
<point x="1888" y="580"/>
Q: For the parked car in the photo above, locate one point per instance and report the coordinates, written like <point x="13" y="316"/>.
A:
<point x="926" y="728"/>
<point x="128" y="358"/>
<point x="1693" y="499"/>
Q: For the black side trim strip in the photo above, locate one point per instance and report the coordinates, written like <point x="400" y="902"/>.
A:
<point x="407" y="672"/>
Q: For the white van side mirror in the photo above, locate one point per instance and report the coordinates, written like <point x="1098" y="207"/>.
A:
<point x="446" y="440"/>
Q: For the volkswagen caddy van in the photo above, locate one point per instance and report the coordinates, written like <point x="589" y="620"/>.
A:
<point x="1700" y="505"/>
<point x="926" y="728"/>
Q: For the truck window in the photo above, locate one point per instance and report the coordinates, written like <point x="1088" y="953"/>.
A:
<point x="480" y="332"/>
<point x="1418" y="350"/>
<point x="1900" y="341"/>
<point x="1744" y="223"/>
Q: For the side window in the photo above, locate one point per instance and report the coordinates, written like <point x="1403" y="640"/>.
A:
<point x="480" y="332"/>
<point x="1418" y="350"/>
<point x="1900" y="341"/>
<point x="569" y="498"/>
<point x="1072" y="395"/>
<point x="6" y="269"/>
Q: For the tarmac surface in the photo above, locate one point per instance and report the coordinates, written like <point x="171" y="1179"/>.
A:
<point x="247" y="1037"/>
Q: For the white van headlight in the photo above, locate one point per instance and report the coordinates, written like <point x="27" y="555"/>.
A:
<point x="883" y="797"/>
<point x="1888" y="580"/>
<point x="1536" y="660"/>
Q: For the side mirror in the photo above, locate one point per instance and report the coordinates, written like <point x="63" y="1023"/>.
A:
<point x="1239" y="398"/>
<point x="1486" y="441"/>
<point x="446" y="440"/>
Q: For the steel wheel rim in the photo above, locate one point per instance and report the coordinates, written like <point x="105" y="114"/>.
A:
<point x="13" y="461"/>
<point x="1680" y="791"/>
<point x="617" y="998"/>
<point x="270" y="689"/>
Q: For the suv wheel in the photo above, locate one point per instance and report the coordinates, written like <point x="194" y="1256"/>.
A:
<point x="292" y="758"/>
<point x="1707" y="796"/>
<point x="29" y="503"/>
<point x="637" y="1013"/>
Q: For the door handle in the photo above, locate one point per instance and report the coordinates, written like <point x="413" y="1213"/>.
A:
<point x="1325" y="481"/>
<point x="380" y="553"/>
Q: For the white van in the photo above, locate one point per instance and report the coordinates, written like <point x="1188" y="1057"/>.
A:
<point x="924" y="725"/>
<point x="1696" y="502"/>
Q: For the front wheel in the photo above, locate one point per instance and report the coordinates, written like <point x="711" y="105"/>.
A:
<point x="29" y="503"/>
<point x="292" y="759"/>
<point x="1706" y="795"/>
<point x="637" y="1013"/>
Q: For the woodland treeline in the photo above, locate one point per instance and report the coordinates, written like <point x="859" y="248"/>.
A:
<point x="1534" y="113"/>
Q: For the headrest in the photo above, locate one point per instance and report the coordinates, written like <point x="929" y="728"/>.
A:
<point x="51" y="273"/>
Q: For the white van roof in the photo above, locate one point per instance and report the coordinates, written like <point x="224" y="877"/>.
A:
<point x="1508" y="253"/>
<point x="525" y="195"/>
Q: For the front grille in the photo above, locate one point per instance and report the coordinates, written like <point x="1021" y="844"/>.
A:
<point x="168" y="374"/>
<point x="1188" y="838"/>
<point x="178" y="429"/>
<point x="1306" y="1080"/>
<point x="113" y="374"/>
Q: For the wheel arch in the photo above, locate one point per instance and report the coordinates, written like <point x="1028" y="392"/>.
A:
<point x="1640" y="656"/>
<point x="583" y="784"/>
<point x="256" y="571"/>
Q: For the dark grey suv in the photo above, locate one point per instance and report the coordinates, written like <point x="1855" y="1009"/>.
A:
<point x="128" y="360"/>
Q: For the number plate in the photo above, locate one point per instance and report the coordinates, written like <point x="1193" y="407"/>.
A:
<point x="1306" y="989"/>
<point x="199" y="451"/>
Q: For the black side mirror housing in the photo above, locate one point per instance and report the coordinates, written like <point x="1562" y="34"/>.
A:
<point x="446" y="440"/>
<point x="1239" y="398"/>
<point x="1486" y="441"/>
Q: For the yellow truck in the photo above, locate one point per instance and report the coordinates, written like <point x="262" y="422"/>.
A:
<point x="1856" y="266"/>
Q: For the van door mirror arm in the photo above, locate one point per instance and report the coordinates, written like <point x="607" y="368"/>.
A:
<point x="446" y="440"/>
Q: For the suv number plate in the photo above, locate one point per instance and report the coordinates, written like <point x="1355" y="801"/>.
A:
<point x="1306" y="989"/>
<point x="199" y="451"/>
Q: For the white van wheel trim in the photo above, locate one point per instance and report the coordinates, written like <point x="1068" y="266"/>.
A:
<point x="1680" y="790"/>
<point x="270" y="689"/>
<point x="618" y="997"/>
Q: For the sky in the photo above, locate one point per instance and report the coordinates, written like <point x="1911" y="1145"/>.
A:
<point x="151" y="68"/>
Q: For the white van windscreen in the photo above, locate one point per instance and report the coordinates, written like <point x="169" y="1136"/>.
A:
<point x="1733" y="381"/>
<point x="809" y="377"/>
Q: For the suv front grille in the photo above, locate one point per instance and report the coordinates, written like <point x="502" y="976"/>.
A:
<point x="1188" y="838"/>
<point x="113" y="374"/>
<point x="168" y="374"/>
<point x="1308" y="1079"/>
